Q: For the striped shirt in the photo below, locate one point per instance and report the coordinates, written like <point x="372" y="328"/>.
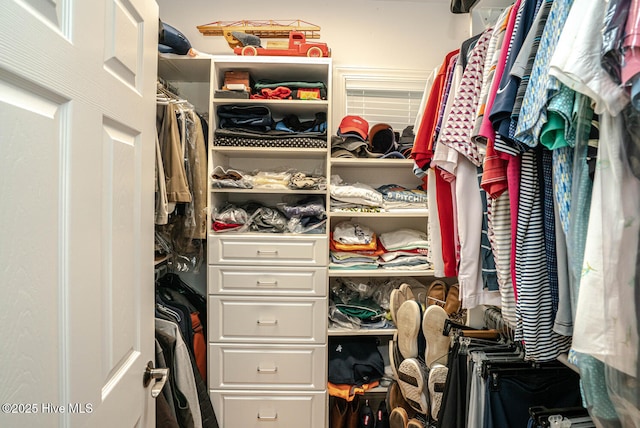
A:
<point x="534" y="309"/>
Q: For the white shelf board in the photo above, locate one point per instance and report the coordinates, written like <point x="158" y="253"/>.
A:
<point x="371" y="162"/>
<point x="258" y="191"/>
<point x="184" y="68"/>
<point x="345" y="273"/>
<point x="361" y="332"/>
<point x="270" y="152"/>
<point x="390" y="214"/>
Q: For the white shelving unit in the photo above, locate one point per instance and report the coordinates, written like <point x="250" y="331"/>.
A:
<point x="268" y="291"/>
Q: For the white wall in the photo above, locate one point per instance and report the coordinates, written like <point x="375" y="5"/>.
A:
<point x="406" y="34"/>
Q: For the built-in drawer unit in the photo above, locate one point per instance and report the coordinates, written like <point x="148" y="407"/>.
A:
<point x="271" y="409"/>
<point x="301" y="367"/>
<point x="280" y="320"/>
<point x="268" y="250"/>
<point x="272" y="281"/>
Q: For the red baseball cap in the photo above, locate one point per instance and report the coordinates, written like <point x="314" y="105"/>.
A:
<point x="354" y="126"/>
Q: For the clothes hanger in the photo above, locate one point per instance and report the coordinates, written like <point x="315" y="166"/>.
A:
<point x="541" y="413"/>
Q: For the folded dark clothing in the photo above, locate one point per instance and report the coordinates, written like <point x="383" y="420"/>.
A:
<point x="271" y="134"/>
<point x="256" y="118"/>
<point x="266" y="83"/>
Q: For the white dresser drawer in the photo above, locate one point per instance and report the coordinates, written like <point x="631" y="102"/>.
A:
<point x="285" y="320"/>
<point x="268" y="250"/>
<point x="267" y="367"/>
<point x="292" y="281"/>
<point x="270" y="409"/>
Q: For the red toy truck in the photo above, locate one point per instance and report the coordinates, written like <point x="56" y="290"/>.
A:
<point x="298" y="46"/>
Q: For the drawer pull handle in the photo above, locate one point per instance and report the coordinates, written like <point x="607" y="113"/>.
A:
<point x="267" y="418"/>
<point x="267" y="322"/>
<point x="267" y="283"/>
<point x="270" y="370"/>
<point x="267" y="252"/>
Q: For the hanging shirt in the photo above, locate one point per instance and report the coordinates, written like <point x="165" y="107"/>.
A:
<point x="606" y="325"/>
<point x="534" y="308"/>
<point x="504" y="100"/>
<point x="631" y="44"/>
<point x="172" y="157"/>
<point x="422" y="148"/>
<point x="456" y="132"/>
<point x="576" y="61"/>
<point x="613" y="33"/>
<point x="542" y="87"/>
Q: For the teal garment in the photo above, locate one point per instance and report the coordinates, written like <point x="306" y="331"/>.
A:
<point x="559" y="131"/>
<point x="562" y="183"/>
<point x="559" y="135"/>
<point x="552" y="134"/>
<point x="594" y="389"/>
<point x="581" y="188"/>
<point x="363" y="309"/>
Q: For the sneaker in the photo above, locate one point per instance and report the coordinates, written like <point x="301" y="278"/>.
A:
<point x="397" y="297"/>
<point x="412" y="380"/>
<point x="420" y="290"/>
<point x="411" y="341"/>
<point x="395" y="357"/>
<point x="398" y="418"/>
<point x="437" y="343"/>
<point x="435" y="384"/>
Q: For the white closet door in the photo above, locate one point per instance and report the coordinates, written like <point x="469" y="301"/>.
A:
<point x="77" y="123"/>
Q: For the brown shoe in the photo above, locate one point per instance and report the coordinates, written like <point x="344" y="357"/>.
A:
<point x="437" y="293"/>
<point x="396" y="399"/>
<point x="353" y="412"/>
<point x="338" y="417"/>
<point x="398" y="418"/>
<point x="452" y="303"/>
<point x="415" y="423"/>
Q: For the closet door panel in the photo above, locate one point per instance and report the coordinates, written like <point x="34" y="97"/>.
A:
<point x="76" y="93"/>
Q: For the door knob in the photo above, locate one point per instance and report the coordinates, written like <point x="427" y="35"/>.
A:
<point x="158" y="375"/>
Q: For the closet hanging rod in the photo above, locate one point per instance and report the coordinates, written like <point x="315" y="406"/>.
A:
<point x="167" y="89"/>
<point x="167" y="86"/>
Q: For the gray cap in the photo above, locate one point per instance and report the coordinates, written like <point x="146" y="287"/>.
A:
<point x="351" y="144"/>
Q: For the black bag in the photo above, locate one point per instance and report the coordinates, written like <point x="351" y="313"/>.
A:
<point x="462" y="6"/>
<point x="354" y="360"/>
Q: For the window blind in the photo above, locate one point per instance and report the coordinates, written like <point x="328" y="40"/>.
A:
<point x="395" y="107"/>
<point x="379" y="95"/>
